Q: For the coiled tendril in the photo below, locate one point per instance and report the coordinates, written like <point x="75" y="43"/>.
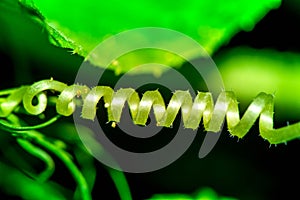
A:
<point x="192" y="111"/>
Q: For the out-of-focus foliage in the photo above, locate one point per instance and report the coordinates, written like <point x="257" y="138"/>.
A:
<point x="39" y="147"/>
<point x="82" y="25"/>
<point x="202" y="194"/>
<point x="248" y="71"/>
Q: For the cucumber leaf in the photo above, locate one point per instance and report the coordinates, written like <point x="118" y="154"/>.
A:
<point x="82" y="25"/>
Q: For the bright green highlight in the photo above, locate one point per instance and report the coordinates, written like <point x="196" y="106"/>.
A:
<point x="192" y="110"/>
<point x="202" y="194"/>
<point x="248" y="71"/>
<point x="82" y="25"/>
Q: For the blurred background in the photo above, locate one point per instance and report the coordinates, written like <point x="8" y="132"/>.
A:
<point x="265" y="58"/>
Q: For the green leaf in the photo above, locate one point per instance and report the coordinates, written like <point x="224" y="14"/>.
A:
<point x="82" y="25"/>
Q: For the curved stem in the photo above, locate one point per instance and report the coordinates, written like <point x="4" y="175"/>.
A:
<point x="8" y="126"/>
<point x="121" y="184"/>
<point x="38" y="138"/>
<point x="65" y="158"/>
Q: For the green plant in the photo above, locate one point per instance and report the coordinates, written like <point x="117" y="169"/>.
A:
<point x="192" y="112"/>
<point x="47" y="136"/>
<point x="35" y="100"/>
<point x="39" y="145"/>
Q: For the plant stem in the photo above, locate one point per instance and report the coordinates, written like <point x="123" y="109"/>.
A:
<point x="121" y="184"/>
<point x="65" y="158"/>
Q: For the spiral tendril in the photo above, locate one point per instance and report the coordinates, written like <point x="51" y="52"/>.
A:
<point x="202" y="107"/>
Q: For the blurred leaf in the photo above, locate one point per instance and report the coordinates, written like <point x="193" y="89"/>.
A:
<point x="82" y="25"/>
<point x="248" y="71"/>
<point x="202" y="194"/>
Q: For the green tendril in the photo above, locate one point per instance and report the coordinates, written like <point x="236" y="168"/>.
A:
<point x="202" y="107"/>
<point x="42" y="155"/>
<point x="36" y="90"/>
<point x="67" y="160"/>
<point x="12" y="101"/>
<point x="27" y="139"/>
<point x="7" y="126"/>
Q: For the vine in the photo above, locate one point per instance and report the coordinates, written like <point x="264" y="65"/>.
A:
<point x="202" y="107"/>
<point x="39" y="145"/>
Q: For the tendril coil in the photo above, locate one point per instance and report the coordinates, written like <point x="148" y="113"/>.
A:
<point x="202" y="107"/>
